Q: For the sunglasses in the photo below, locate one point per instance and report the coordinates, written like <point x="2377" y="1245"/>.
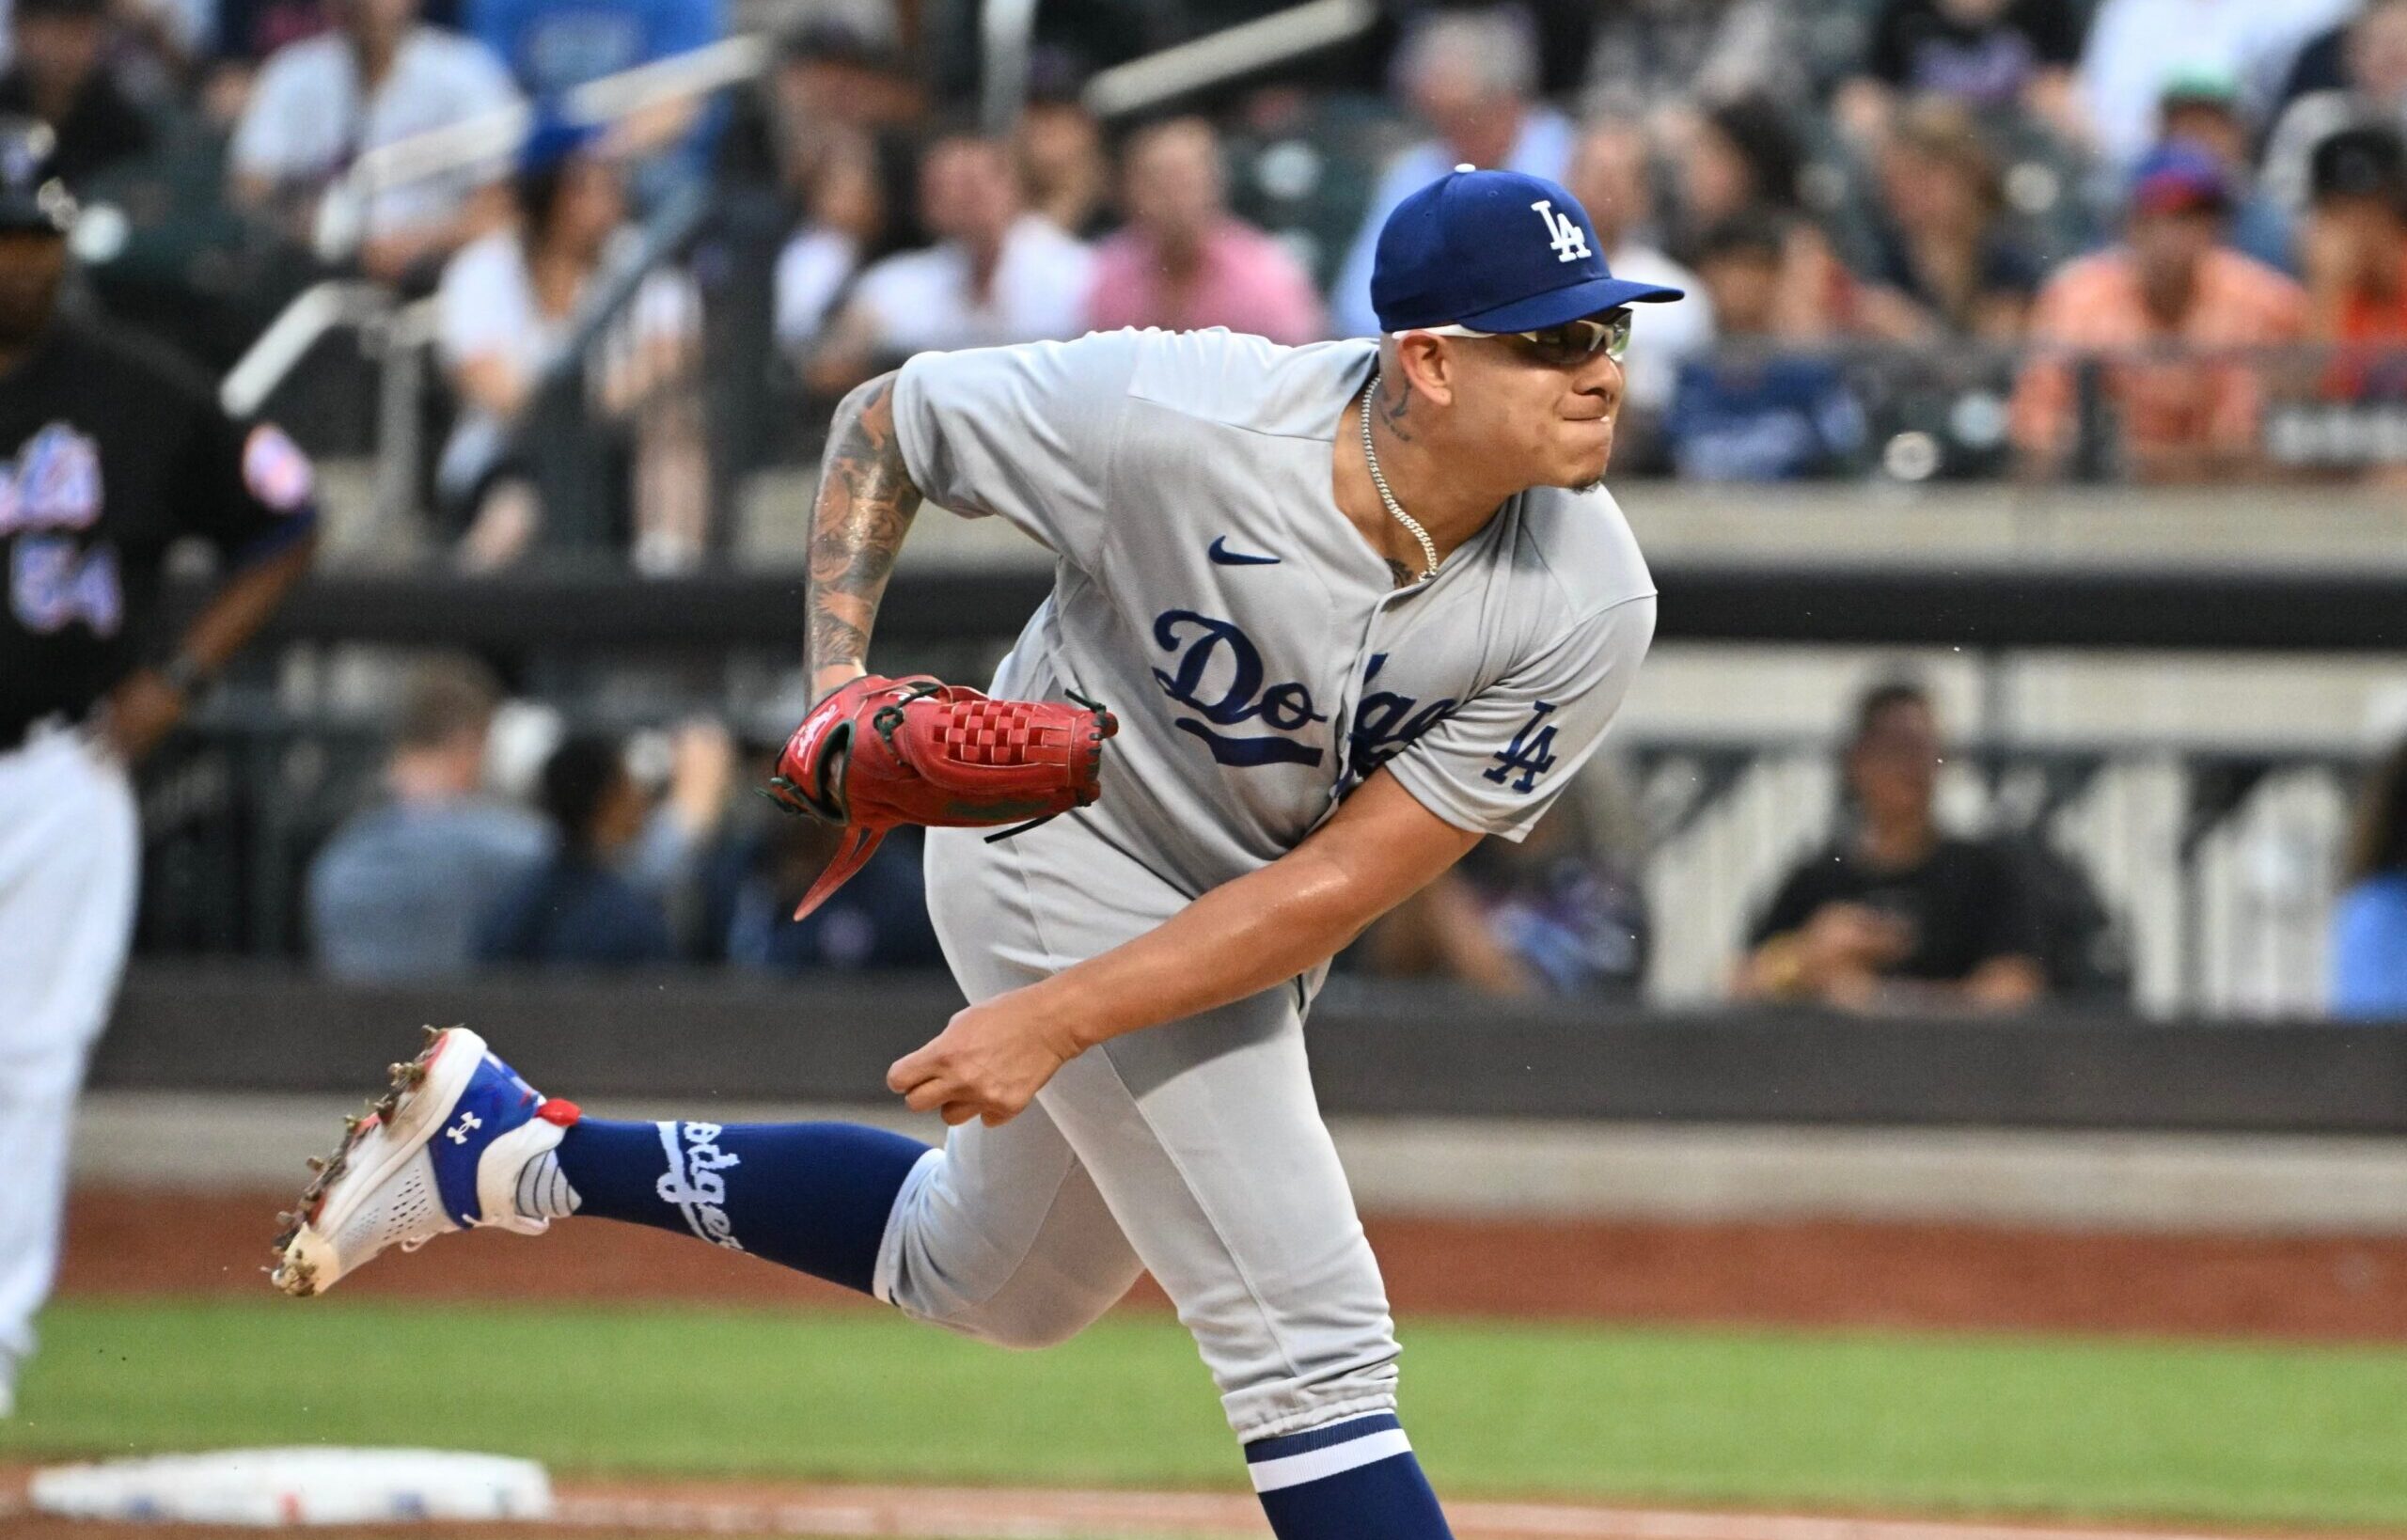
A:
<point x="1564" y="346"/>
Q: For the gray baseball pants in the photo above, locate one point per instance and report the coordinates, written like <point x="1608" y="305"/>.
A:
<point x="1193" y="1151"/>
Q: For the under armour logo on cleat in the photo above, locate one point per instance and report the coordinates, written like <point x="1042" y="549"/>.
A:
<point x="460" y="1135"/>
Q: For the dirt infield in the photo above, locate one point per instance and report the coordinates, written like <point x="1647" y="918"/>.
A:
<point x="1804" y="1274"/>
<point x="624" y="1511"/>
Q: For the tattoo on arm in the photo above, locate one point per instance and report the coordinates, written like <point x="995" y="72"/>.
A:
<point x="1394" y="402"/>
<point x="866" y="500"/>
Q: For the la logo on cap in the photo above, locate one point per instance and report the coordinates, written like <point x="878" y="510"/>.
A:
<point x="1570" y="242"/>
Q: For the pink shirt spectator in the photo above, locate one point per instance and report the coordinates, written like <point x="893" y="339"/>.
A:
<point x="1243" y="281"/>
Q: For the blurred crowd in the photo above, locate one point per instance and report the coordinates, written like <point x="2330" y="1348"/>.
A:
<point x="598" y="852"/>
<point x="2050" y="199"/>
<point x="2111" y="231"/>
<point x="593" y="853"/>
<point x="2119" y="236"/>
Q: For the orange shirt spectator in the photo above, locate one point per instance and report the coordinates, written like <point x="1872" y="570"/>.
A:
<point x="2172" y="286"/>
<point x="2355" y="249"/>
<point x="2373" y="318"/>
<point x="2355" y="238"/>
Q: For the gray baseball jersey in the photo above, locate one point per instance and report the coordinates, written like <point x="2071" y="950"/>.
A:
<point x="1259" y="655"/>
<point x="1263" y="663"/>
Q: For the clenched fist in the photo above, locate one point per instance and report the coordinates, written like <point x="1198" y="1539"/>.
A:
<point x="989" y="1063"/>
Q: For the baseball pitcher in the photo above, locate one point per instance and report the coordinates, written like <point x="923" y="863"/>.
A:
<point x="1322" y="618"/>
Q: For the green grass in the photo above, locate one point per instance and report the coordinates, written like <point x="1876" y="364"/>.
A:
<point x="2207" y="1432"/>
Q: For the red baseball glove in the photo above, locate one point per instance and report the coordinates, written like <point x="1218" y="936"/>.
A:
<point x="884" y="752"/>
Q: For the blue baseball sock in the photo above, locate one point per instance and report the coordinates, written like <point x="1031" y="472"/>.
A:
<point x="812" y="1195"/>
<point x="1354" y="1480"/>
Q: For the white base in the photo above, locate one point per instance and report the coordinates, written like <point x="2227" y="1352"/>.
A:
<point x="276" y="1487"/>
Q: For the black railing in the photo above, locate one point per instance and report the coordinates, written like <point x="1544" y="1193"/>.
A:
<point x="1397" y="1050"/>
<point x="592" y="607"/>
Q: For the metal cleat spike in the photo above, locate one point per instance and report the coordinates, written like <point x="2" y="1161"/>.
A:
<point x="316" y="1164"/>
<point x="432" y="1033"/>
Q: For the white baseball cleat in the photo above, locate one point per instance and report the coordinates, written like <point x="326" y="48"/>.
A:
<point x="440" y="1152"/>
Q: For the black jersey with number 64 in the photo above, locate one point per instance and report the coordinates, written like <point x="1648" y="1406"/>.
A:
<point x="111" y="451"/>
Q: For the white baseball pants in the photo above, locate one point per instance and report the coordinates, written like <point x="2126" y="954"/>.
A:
<point x="69" y="850"/>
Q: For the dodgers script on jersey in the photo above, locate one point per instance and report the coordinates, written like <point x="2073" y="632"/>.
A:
<point x="1208" y="589"/>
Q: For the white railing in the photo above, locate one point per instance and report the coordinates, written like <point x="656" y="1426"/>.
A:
<point x="277" y="351"/>
<point x="1225" y="54"/>
<point x="2222" y="910"/>
<point x="496" y="135"/>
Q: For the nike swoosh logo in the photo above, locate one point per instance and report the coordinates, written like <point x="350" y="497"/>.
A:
<point x="1226" y="558"/>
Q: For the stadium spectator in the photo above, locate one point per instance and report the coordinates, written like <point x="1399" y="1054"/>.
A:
<point x="61" y="76"/>
<point x="2134" y="46"/>
<point x="2172" y="283"/>
<point x="1184" y="262"/>
<point x="1999" y="57"/>
<point x="1897" y="911"/>
<point x="875" y="22"/>
<point x="508" y="303"/>
<point x="2371" y="90"/>
<point x="1552" y="915"/>
<point x="1742" y="155"/>
<point x="1611" y="174"/>
<point x="1471" y="78"/>
<point x="579" y="908"/>
<point x="2203" y="108"/>
<point x="1652" y="60"/>
<point x="395" y="894"/>
<point x="553" y="46"/>
<point x="2354" y="247"/>
<point x="380" y="77"/>
<point x="879" y="920"/>
<point x="1743" y="159"/>
<point x="1753" y="410"/>
<point x="843" y="217"/>
<point x="998" y="274"/>
<point x="834" y="82"/>
<point x="249" y="31"/>
<point x="1949" y="267"/>
<point x="2354" y="243"/>
<point x="2369" y="927"/>
<point x="1059" y="145"/>
<point x="842" y="114"/>
<point x="154" y="45"/>
<point x="2320" y="64"/>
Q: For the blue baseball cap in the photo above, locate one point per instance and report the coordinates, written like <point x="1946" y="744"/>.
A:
<point x="553" y="139"/>
<point x="2179" y="177"/>
<point x="1498" y="252"/>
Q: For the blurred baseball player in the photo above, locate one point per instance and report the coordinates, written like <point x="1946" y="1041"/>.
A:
<point x="115" y="453"/>
<point x="1354" y="605"/>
